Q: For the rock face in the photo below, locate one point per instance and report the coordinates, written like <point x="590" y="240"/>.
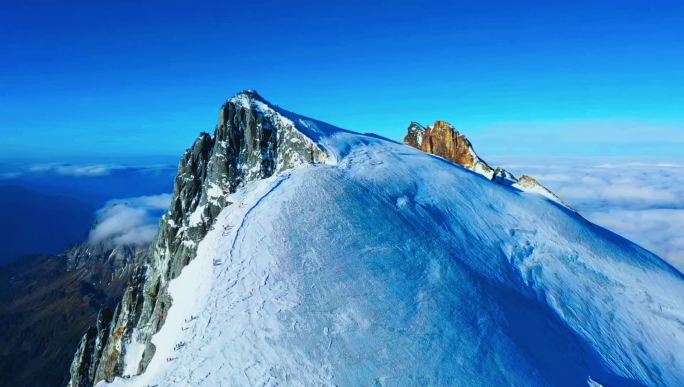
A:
<point x="252" y="141"/>
<point x="414" y="137"/>
<point x="90" y="346"/>
<point x="441" y="139"/>
<point x="91" y="361"/>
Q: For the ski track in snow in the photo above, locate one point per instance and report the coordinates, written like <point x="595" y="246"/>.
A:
<point x="393" y="267"/>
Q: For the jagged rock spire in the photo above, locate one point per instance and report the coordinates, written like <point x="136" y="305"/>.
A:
<point x="442" y="139"/>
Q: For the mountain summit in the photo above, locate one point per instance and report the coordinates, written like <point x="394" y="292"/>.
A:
<point x="298" y="253"/>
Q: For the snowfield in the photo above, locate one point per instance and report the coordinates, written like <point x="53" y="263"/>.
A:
<point x="388" y="266"/>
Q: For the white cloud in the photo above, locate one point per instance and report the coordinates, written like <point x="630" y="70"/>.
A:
<point x="132" y="221"/>
<point x="76" y="170"/>
<point x="87" y="170"/>
<point x="659" y="230"/>
<point x="618" y="193"/>
<point x="640" y="200"/>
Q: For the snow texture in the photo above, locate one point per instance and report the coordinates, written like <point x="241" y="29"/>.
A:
<point x="394" y="267"/>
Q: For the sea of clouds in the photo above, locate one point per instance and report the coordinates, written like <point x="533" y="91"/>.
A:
<point x="642" y="201"/>
<point x="75" y="170"/>
<point x="130" y="221"/>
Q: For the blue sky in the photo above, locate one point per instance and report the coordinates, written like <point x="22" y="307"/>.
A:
<point x="140" y="79"/>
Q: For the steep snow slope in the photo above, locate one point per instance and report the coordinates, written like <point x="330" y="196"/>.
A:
<point x="389" y="266"/>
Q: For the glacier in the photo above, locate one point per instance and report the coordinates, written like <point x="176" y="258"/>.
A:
<point x="385" y="265"/>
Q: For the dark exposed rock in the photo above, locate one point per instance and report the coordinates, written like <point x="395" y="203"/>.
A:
<point x="90" y="347"/>
<point x="415" y="134"/>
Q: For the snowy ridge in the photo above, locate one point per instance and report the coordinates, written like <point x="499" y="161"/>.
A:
<point x="252" y="141"/>
<point x="393" y="267"/>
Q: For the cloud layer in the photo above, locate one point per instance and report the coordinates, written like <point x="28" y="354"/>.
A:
<point x="129" y="222"/>
<point x="642" y="201"/>
<point x="90" y="170"/>
<point x="75" y="170"/>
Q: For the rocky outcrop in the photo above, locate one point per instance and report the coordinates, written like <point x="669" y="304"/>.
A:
<point x="90" y="348"/>
<point x="442" y="139"/>
<point x="253" y="140"/>
<point x="503" y="177"/>
<point x="414" y="137"/>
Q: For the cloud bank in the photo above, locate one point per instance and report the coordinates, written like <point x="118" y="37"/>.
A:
<point x="87" y="170"/>
<point x="17" y="170"/>
<point x="75" y="170"/>
<point x="642" y="201"/>
<point x="129" y="222"/>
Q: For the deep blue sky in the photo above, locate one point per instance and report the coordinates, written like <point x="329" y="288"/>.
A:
<point x="99" y="79"/>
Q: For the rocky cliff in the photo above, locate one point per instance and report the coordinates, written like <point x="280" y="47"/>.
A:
<point x="252" y="140"/>
<point x="442" y="139"/>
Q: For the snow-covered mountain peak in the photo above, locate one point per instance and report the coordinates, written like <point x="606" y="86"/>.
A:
<point x="252" y="141"/>
<point x="389" y="266"/>
<point x="292" y="127"/>
<point x="248" y="99"/>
